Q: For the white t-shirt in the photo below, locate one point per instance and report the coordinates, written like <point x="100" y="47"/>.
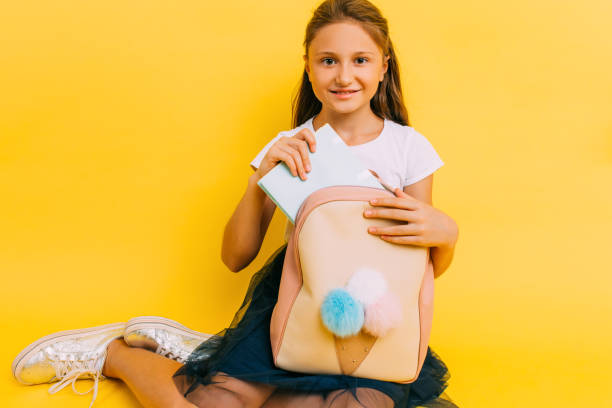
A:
<point x="399" y="155"/>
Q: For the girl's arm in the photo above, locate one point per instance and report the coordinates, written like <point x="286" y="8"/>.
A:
<point x="246" y="229"/>
<point x="441" y="255"/>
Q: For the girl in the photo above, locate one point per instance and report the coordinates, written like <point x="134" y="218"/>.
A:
<point x="351" y="81"/>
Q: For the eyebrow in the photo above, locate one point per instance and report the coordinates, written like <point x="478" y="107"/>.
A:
<point x="332" y="53"/>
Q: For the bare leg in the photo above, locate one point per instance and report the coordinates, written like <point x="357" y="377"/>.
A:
<point x="291" y="399"/>
<point x="156" y="388"/>
<point x="231" y="392"/>
<point x="368" y="398"/>
<point x="148" y="375"/>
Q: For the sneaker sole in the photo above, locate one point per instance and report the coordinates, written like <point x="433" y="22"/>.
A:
<point x="157" y="322"/>
<point x="43" y="341"/>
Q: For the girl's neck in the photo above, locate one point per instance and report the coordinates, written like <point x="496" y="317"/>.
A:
<point x="354" y="128"/>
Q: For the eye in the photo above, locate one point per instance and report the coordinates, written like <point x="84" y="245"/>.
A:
<point x="364" y="59"/>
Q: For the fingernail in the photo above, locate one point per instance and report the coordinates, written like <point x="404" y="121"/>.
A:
<point x="308" y="167"/>
<point x="368" y="212"/>
<point x="374" y="201"/>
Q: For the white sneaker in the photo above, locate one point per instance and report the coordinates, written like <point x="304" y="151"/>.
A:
<point x="67" y="356"/>
<point x="163" y="336"/>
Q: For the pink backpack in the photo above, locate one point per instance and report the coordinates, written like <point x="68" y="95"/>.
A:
<point x="349" y="302"/>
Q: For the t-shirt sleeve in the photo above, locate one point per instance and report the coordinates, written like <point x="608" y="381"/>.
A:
<point x="422" y="159"/>
<point x="257" y="160"/>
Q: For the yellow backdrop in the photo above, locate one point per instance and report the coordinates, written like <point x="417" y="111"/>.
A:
<point x="126" y="129"/>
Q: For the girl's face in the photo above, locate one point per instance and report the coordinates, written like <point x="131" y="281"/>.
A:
<point x="343" y="57"/>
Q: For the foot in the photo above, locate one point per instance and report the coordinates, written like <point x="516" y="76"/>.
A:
<point x="163" y="336"/>
<point x="67" y="356"/>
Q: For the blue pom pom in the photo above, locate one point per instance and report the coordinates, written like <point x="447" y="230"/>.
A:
<point x="341" y="313"/>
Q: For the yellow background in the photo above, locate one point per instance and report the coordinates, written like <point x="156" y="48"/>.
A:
<point x="126" y="129"/>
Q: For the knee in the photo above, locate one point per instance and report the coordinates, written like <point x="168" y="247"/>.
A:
<point x="228" y="392"/>
<point x="183" y="403"/>
<point x="217" y="396"/>
<point x="210" y="396"/>
<point x="367" y="398"/>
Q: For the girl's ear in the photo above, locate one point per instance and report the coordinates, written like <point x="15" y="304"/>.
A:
<point x="306" y="64"/>
<point x="385" y="67"/>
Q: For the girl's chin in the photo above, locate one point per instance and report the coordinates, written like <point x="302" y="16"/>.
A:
<point x="345" y="107"/>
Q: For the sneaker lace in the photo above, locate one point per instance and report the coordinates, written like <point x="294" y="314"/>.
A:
<point x="173" y="352"/>
<point x="171" y="346"/>
<point x="69" y="371"/>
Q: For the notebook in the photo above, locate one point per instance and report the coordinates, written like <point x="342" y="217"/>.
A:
<point x="331" y="164"/>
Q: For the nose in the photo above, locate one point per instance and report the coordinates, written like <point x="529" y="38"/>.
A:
<point x="344" y="76"/>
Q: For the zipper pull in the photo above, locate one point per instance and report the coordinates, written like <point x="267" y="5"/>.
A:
<point x="385" y="185"/>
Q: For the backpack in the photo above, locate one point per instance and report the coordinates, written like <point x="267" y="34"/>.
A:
<point x="349" y="302"/>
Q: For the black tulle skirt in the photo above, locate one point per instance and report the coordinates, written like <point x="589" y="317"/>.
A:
<point x="243" y="351"/>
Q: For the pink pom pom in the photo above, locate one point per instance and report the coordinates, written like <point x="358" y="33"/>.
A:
<point x="383" y="315"/>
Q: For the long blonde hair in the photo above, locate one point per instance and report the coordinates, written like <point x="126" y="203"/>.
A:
<point x="388" y="101"/>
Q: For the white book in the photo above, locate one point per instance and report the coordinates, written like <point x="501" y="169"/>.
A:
<point x="332" y="164"/>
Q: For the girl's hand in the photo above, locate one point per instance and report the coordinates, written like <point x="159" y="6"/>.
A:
<point x="423" y="224"/>
<point x="291" y="150"/>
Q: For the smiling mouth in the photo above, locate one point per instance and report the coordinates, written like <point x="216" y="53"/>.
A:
<point x="344" y="92"/>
